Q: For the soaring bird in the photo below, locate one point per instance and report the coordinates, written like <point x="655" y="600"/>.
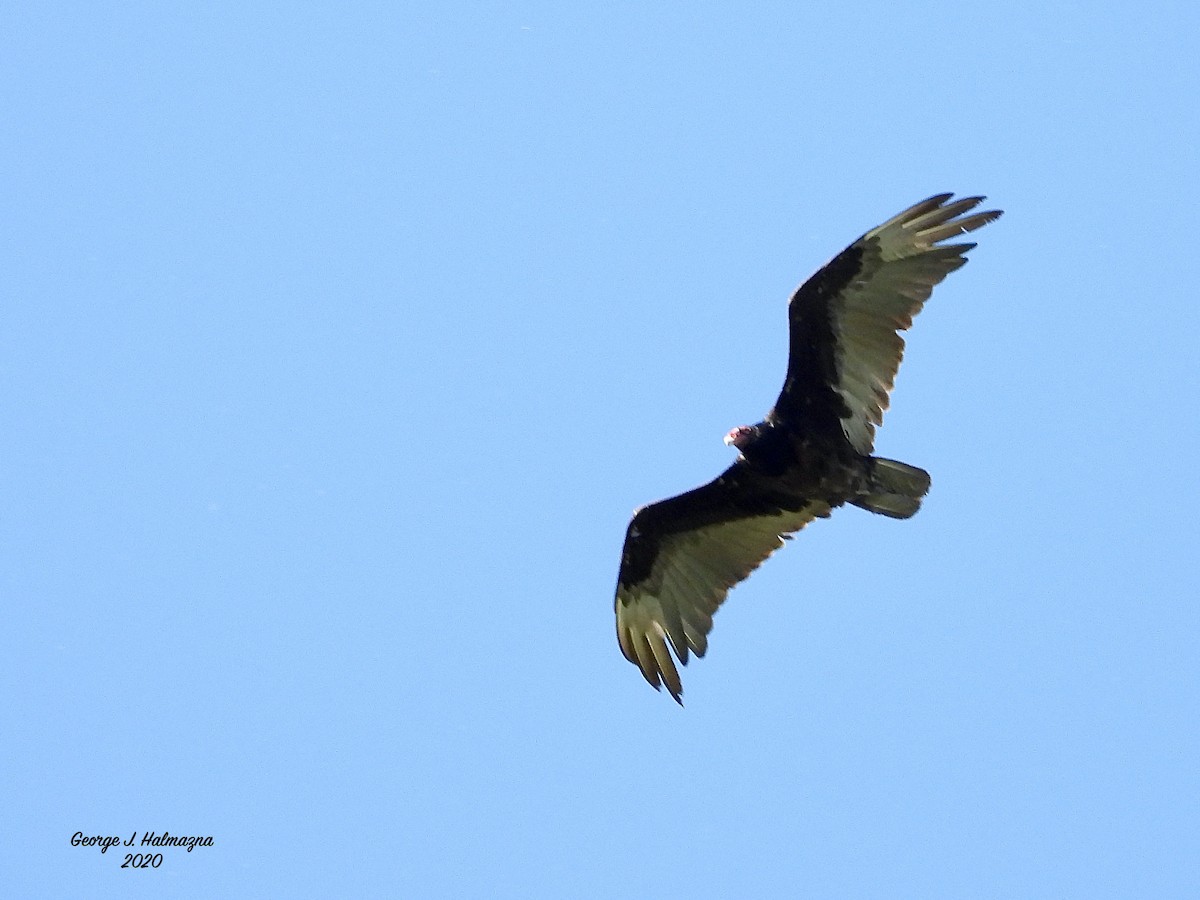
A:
<point x="811" y="453"/>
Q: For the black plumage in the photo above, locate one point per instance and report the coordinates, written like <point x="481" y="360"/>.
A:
<point x="812" y="451"/>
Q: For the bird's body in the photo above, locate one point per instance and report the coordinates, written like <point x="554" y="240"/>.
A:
<point x="809" y="455"/>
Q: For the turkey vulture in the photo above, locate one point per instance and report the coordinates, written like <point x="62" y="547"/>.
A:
<point x="810" y="454"/>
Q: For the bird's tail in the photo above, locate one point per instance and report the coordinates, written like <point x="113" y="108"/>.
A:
<point x="893" y="489"/>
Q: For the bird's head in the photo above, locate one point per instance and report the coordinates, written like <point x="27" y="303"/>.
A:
<point x="741" y="437"/>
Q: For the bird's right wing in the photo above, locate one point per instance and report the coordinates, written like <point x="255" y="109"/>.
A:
<point x="682" y="556"/>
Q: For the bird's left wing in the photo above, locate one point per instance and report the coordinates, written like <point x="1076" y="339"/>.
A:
<point x="845" y="346"/>
<point x="682" y="556"/>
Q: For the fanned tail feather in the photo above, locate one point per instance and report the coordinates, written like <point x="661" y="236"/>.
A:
<point x="895" y="489"/>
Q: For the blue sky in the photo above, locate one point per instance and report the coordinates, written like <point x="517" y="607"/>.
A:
<point x="339" y="341"/>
